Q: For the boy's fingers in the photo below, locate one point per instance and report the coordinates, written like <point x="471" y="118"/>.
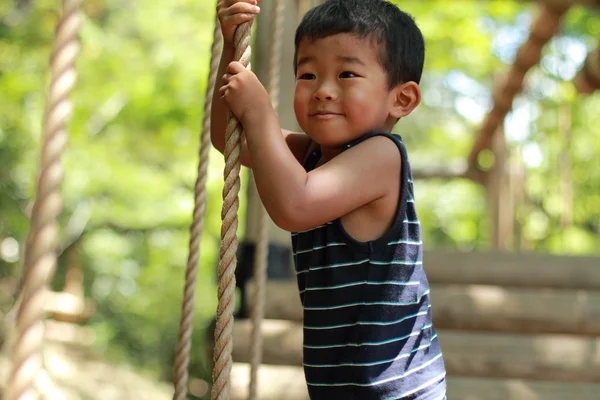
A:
<point x="243" y="8"/>
<point x="237" y="19"/>
<point x="235" y="67"/>
<point x="232" y="2"/>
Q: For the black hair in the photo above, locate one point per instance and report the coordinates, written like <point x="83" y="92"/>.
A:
<point x="401" y="42"/>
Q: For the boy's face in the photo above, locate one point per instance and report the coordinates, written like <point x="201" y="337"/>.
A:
<point x="342" y="89"/>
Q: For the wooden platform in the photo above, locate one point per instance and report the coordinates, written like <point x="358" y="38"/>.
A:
<point x="480" y="307"/>
<point x="511" y="327"/>
<point x="513" y="269"/>
<point x="565" y="358"/>
<point x="285" y="382"/>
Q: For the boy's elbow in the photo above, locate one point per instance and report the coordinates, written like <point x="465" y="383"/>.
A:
<point x="289" y="219"/>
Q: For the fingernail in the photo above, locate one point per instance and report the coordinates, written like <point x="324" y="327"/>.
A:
<point x="257" y="8"/>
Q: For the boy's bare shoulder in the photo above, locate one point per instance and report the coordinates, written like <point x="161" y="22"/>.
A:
<point x="378" y="150"/>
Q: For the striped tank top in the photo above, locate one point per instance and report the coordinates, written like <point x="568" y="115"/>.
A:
<point x="368" y="332"/>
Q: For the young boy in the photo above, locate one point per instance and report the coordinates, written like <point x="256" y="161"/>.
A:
<point x="344" y="190"/>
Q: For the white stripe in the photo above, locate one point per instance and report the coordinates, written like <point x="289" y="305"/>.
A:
<point x="411" y="222"/>
<point x="319" y="247"/>
<point x="373" y="303"/>
<point x="339" y="265"/>
<point x="402" y="241"/>
<point x="345" y="285"/>
<point x="391" y="262"/>
<point x="423" y="386"/>
<point x="377" y="323"/>
<point x="399" y="357"/>
<point x="362" y="303"/>
<point x="395" y="378"/>
<point x="414" y="333"/>
<point x="397" y="262"/>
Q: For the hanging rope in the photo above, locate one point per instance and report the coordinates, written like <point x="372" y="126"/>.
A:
<point x="260" y="259"/>
<point x="229" y="244"/>
<point x="40" y="262"/>
<point x="182" y="358"/>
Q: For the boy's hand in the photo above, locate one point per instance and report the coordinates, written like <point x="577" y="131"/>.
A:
<point x="242" y="92"/>
<point x="232" y="13"/>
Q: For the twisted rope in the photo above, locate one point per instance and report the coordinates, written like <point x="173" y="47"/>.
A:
<point x="182" y="358"/>
<point x="229" y="244"/>
<point x="40" y="258"/>
<point x="260" y="256"/>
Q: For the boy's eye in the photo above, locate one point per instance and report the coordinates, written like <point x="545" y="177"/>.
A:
<point x="348" y="74"/>
<point x="307" y="76"/>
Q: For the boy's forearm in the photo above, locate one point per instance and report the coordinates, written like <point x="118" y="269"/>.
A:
<point x="219" y="110"/>
<point x="278" y="175"/>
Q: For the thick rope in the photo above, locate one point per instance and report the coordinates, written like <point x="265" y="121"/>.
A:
<point x="260" y="259"/>
<point x="182" y="358"/>
<point x="229" y="243"/>
<point x="41" y="243"/>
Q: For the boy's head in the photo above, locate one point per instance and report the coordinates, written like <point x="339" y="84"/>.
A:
<point x="400" y="42"/>
<point x="357" y="65"/>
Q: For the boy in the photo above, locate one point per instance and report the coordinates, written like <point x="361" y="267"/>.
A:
<point x="344" y="190"/>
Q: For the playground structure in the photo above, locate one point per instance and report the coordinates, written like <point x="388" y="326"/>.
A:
<point x="511" y="326"/>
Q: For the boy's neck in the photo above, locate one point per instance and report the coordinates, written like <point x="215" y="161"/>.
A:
<point x="328" y="153"/>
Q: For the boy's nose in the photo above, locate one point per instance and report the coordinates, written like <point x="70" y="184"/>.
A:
<point x="325" y="93"/>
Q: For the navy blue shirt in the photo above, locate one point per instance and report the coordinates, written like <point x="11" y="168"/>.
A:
<point x="368" y="332"/>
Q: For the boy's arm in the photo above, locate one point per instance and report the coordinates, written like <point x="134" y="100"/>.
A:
<point x="297" y="142"/>
<point x="297" y="200"/>
<point x="232" y="13"/>
<point x="219" y="112"/>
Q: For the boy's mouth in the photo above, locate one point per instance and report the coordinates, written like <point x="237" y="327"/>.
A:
<point x="324" y="114"/>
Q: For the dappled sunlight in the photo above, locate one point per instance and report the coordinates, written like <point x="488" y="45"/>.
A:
<point x="488" y="297"/>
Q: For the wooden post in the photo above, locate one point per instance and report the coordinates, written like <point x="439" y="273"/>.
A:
<point x="587" y="79"/>
<point x="500" y="207"/>
<point x="566" y="181"/>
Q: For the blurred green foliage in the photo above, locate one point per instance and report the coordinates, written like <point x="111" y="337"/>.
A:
<point x="132" y="156"/>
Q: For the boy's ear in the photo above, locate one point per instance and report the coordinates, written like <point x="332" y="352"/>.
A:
<point x="405" y="98"/>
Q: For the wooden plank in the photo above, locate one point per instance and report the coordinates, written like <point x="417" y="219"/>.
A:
<point x="287" y="382"/>
<point x="481" y="307"/>
<point x="513" y="269"/>
<point x="475" y="354"/>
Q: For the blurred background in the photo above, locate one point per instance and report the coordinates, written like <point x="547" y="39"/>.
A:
<point x="132" y="159"/>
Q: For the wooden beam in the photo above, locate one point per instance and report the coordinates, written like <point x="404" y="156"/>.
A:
<point x="587" y="79"/>
<point x="564" y="3"/>
<point x="513" y="269"/>
<point x="544" y="27"/>
<point x="538" y="357"/>
<point x="287" y="382"/>
<point x="68" y="307"/>
<point x="481" y="308"/>
<point x="454" y="170"/>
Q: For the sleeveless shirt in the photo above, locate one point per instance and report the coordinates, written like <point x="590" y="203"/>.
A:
<point x="368" y="332"/>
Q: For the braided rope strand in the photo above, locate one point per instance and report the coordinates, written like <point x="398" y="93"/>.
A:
<point x="260" y="259"/>
<point x="40" y="257"/>
<point x="229" y="243"/>
<point x="182" y="358"/>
